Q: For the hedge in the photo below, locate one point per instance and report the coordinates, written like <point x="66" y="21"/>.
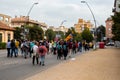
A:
<point x="2" y="45"/>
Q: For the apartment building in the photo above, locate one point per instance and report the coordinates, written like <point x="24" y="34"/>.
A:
<point x="79" y="27"/>
<point x="23" y="20"/>
<point x="116" y="6"/>
<point x="6" y="31"/>
<point x="109" y="24"/>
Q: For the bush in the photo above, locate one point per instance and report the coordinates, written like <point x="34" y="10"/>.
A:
<point x="2" y="45"/>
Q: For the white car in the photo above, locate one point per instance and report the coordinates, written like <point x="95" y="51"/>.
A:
<point x="110" y="44"/>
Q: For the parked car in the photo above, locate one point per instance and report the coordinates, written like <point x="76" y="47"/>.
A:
<point x="110" y="44"/>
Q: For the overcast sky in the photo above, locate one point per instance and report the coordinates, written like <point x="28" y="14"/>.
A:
<point x="53" y="12"/>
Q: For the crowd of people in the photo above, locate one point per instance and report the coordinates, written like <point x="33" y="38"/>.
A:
<point x="39" y="49"/>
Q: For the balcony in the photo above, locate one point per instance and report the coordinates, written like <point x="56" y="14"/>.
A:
<point x="114" y="10"/>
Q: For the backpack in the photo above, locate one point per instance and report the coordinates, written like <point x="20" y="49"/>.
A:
<point x="41" y="50"/>
<point x="58" y="47"/>
<point x="31" y="50"/>
<point x="74" y="46"/>
<point x="64" y="47"/>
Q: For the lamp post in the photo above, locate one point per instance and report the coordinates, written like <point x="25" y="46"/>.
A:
<point x="95" y="36"/>
<point x="58" y="35"/>
<point x="26" y="31"/>
<point x="31" y="8"/>
<point x="62" y="24"/>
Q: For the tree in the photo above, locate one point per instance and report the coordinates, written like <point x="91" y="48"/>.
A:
<point x="35" y="33"/>
<point x="100" y="33"/>
<point x="116" y="26"/>
<point x="50" y="34"/>
<point x="68" y="32"/>
<point x="78" y="37"/>
<point x="17" y="33"/>
<point x="86" y="35"/>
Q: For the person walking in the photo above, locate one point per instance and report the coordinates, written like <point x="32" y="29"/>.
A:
<point x="8" y="46"/>
<point x="80" y="46"/>
<point x="70" y="49"/>
<point x="65" y="50"/>
<point x="16" y="47"/>
<point x="59" y="50"/>
<point x="35" y="54"/>
<point x="13" y="48"/>
<point x="31" y="44"/>
<point x="42" y="51"/>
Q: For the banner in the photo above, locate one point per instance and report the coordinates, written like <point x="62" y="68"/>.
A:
<point x="69" y="37"/>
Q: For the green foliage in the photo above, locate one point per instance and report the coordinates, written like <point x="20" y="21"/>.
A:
<point x="36" y="33"/>
<point x="62" y="34"/>
<point x="50" y="34"/>
<point x="78" y="37"/>
<point x="86" y="35"/>
<point x="2" y="45"/>
<point x="17" y="32"/>
<point x="100" y="32"/>
<point x="116" y="26"/>
<point x="69" y="32"/>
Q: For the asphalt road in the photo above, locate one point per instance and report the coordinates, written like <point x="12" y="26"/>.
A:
<point x="20" y="68"/>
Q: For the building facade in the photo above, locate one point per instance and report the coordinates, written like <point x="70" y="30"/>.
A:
<point x="79" y="27"/>
<point x="116" y="6"/>
<point x="5" y="19"/>
<point x="6" y="31"/>
<point x="109" y="24"/>
<point x="60" y="28"/>
<point x="23" y="20"/>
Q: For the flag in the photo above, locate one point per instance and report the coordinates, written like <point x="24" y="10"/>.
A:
<point x="69" y="37"/>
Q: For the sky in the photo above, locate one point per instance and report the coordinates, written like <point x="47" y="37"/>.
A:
<point x="54" y="12"/>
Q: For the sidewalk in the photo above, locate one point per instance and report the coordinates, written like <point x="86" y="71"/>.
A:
<point x="102" y="64"/>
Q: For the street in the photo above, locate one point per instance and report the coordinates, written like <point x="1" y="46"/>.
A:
<point x="101" y="64"/>
<point x="20" y="68"/>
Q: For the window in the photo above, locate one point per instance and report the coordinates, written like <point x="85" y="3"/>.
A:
<point x="8" y="36"/>
<point x="110" y="24"/>
<point x="109" y="29"/>
<point x="6" y="19"/>
<point x="1" y="18"/>
<point x="118" y="5"/>
<point x="0" y="37"/>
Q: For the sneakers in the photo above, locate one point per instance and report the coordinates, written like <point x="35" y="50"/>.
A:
<point x="42" y="64"/>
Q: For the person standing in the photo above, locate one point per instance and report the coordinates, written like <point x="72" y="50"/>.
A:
<point x="8" y="48"/>
<point x="42" y="50"/>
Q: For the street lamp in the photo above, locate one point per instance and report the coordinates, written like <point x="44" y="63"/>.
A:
<point x="63" y="22"/>
<point x="94" y="20"/>
<point x="31" y="8"/>
<point x="30" y="11"/>
<point x="26" y="31"/>
<point x="58" y="35"/>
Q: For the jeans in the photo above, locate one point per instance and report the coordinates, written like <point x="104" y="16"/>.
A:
<point x="42" y="59"/>
<point x="13" y="51"/>
<point x="8" y="52"/>
<point x="35" y="57"/>
<point x="16" y="50"/>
